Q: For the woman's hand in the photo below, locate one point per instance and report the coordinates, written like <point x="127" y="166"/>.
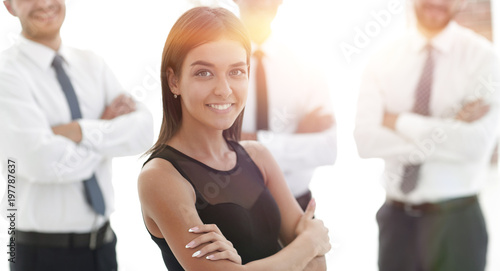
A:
<point x="218" y="248"/>
<point x="314" y="229"/>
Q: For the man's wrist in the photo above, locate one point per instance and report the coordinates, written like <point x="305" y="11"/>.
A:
<point x="78" y="135"/>
<point x="71" y="130"/>
<point x="390" y="120"/>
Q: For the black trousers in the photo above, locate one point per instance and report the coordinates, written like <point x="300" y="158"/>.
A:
<point x="32" y="258"/>
<point x="453" y="240"/>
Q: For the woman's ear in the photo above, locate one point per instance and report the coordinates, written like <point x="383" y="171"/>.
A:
<point x="173" y="81"/>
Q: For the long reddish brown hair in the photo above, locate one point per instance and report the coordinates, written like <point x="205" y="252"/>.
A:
<point x="197" y="26"/>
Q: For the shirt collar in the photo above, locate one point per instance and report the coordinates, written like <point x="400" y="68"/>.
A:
<point x="40" y="54"/>
<point x="441" y="43"/>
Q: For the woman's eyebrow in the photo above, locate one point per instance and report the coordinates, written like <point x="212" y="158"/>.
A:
<point x="241" y="63"/>
<point x="208" y="64"/>
<point x="203" y="63"/>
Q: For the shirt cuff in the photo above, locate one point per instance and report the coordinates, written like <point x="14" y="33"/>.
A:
<point x="411" y="125"/>
<point x="93" y="133"/>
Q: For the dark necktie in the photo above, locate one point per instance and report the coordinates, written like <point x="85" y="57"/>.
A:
<point x="261" y="87"/>
<point x="92" y="191"/>
<point x="421" y="106"/>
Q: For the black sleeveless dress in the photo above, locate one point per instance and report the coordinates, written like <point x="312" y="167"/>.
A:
<point x="237" y="201"/>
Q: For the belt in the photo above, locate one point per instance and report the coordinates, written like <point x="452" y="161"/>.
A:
<point x="92" y="240"/>
<point x="443" y="206"/>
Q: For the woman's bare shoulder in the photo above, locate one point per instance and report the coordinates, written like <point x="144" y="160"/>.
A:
<point x="255" y="149"/>
<point x="158" y="177"/>
<point x="157" y="168"/>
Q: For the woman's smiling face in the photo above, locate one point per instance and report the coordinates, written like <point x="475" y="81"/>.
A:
<point x="213" y="84"/>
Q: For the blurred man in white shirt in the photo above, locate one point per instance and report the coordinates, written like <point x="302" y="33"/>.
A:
<point x="299" y="127"/>
<point x="428" y="106"/>
<point x="64" y="117"/>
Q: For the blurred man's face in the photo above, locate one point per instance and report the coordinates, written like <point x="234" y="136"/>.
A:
<point x="263" y="10"/>
<point x="40" y="19"/>
<point x="434" y="15"/>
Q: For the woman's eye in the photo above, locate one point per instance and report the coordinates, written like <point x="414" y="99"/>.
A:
<point x="237" y="72"/>
<point x="203" y="73"/>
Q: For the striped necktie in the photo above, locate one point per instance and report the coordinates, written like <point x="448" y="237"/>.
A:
<point x="421" y="106"/>
<point x="93" y="192"/>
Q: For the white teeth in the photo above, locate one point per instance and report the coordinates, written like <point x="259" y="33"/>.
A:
<point x="220" y="106"/>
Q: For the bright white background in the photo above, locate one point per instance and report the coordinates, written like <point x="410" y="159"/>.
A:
<point x="130" y="36"/>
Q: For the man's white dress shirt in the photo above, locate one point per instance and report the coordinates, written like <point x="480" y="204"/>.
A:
<point x="294" y="89"/>
<point x="50" y="168"/>
<point x="454" y="154"/>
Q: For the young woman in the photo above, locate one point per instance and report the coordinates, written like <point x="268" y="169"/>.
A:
<point x="201" y="191"/>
